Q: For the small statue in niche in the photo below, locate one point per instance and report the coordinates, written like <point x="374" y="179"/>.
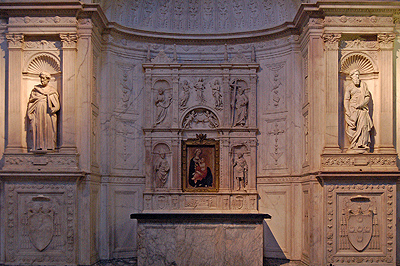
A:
<point x="200" y="88"/>
<point x="162" y="103"/>
<point x="161" y="170"/>
<point x="42" y="111"/>
<point x="240" y="169"/>
<point x="185" y="95"/>
<point x="216" y="92"/>
<point x="239" y="104"/>
<point x="358" y="121"/>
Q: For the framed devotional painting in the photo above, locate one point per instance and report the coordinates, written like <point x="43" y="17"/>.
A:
<point x="200" y="164"/>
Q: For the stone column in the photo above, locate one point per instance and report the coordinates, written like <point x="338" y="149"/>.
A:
<point x="384" y="141"/>
<point x="331" y="48"/>
<point x="16" y="109"/>
<point x="68" y="107"/>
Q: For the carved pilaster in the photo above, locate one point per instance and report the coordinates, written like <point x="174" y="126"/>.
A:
<point x="15" y="111"/>
<point x="385" y="141"/>
<point x="331" y="42"/>
<point x="68" y="118"/>
<point x="176" y="180"/>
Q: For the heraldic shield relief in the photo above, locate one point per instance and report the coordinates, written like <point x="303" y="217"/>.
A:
<point x="41" y="225"/>
<point x="360" y="228"/>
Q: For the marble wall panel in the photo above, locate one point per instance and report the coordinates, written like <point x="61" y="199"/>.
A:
<point x="124" y="200"/>
<point x="275" y="200"/>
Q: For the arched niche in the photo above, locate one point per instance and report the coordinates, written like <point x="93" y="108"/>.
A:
<point x="369" y="73"/>
<point x="162" y="102"/>
<point x="161" y="166"/>
<point x="37" y="63"/>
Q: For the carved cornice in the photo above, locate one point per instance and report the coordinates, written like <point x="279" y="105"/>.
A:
<point x="331" y="40"/>
<point x="69" y="40"/>
<point x="15" y="40"/>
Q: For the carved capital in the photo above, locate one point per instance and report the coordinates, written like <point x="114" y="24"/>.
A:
<point x="331" y="41"/>
<point x="386" y="40"/>
<point x="69" y="40"/>
<point x="15" y="40"/>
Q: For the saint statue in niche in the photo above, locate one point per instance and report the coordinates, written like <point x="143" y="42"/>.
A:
<point x="161" y="169"/>
<point x="240" y="169"/>
<point x="358" y="120"/>
<point x="240" y="103"/>
<point x="42" y="114"/>
<point x="199" y="173"/>
<point x="162" y="103"/>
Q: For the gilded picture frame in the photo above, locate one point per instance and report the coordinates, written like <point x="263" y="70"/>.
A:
<point x="200" y="165"/>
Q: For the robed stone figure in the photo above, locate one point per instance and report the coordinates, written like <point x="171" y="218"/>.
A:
<point x="42" y="114"/>
<point x="358" y="121"/>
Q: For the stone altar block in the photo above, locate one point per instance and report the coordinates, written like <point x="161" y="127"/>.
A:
<point x="200" y="239"/>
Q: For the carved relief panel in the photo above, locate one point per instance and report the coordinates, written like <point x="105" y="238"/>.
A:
<point x="125" y="118"/>
<point x="41" y="223"/>
<point x="359" y="224"/>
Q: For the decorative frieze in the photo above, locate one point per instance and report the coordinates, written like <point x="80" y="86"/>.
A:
<point x="230" y="202"/>
<point x="354" y="162"/>
<point x="42" y="21"/>
<point x="44" y="162"/>
<point x="351" y="21"/>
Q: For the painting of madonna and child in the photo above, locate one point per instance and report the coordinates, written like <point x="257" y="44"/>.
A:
<point x="200" y="166"/>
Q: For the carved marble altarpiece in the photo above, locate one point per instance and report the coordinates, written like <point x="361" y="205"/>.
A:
<point x="199" y="101"/>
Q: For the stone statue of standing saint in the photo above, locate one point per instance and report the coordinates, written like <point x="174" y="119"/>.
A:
<point x="161" y="170"/>
<point x="358" y="120"/>
<point x="240" y="170"/>
<point x="42" y="111"/>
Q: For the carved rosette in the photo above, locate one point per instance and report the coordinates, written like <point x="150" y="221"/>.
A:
<point x="40" y="223"/>
<point x="386" y="40"/>
<point x="69" y="40"/>
<point x="331" y="41"/>
<point x="15" y="40"/>
<point x="360" y="224"/>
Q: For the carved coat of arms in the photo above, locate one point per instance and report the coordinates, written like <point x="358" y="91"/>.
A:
<point x="360" y="228"/>
<point x="41" y="227"/>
